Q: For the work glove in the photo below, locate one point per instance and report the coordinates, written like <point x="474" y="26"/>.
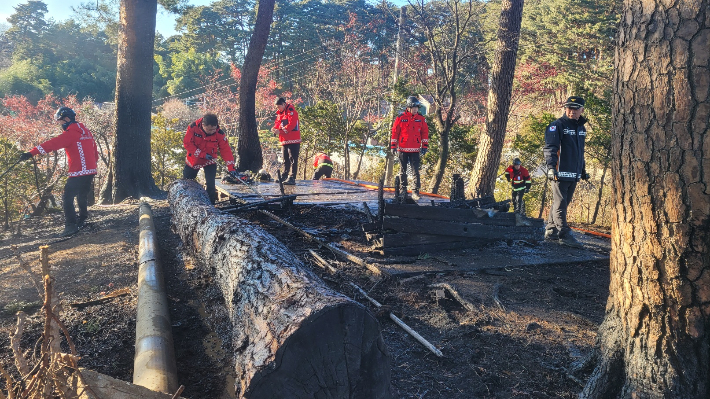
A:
<point x="527" y="190"/>
<point x="585" y="176"/>
<point x="234" y="174"/>
<point x="209" y="157"/>
<point x="552" y="174"/>
<point x="25" y="156"/>
<point x="394" y="151"/>
<point x="507" y="178"/>
<point x="423" y="151"/>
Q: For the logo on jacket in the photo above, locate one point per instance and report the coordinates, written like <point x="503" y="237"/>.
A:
<point x="553" y="128"/>
<point x="571" y="132"/>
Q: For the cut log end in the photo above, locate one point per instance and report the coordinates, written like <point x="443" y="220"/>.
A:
<point x="338" y="353"/>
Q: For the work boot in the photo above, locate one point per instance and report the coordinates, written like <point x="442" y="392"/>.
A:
<point x="415" y="194"/>
<point x="521" y="220"/>
<point x="569" y="240"/>
<point x="69" y="229"/>
<point x="81" y="221"/>
<point x="551" y="235"/>
<point x="291" y="181"/>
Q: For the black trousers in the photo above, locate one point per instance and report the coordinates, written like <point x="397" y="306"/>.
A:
<point x="76" y="187"/>
<point x="210" y="173"/>
<point x="412" y="159"/>
<point x="290" y="154"/>
<point x="518" y="202"/>
<point x="323" y="170"/>
<point x="562" y="193"/>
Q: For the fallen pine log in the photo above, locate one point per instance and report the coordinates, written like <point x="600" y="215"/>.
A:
<point x="292" y="335"/>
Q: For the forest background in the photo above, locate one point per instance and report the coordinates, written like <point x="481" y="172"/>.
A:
<point x="335" y="60"/>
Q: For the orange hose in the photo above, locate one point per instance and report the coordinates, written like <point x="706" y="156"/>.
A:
<point x="593" y="232"/>
<point x="374" y="187"/>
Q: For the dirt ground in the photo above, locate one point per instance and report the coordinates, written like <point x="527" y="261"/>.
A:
<point x="524" y="335"/>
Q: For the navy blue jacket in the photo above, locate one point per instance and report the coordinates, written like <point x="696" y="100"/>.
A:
<point x="564" y="147"/>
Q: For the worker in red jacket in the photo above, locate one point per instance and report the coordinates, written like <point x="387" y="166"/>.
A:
<point x="323" y="166"/>
<point x="203" y="141"/>
<point x="82" y="155"/>
<point x="519" y="177"/>
<point x="410" y="139"/>
<point x="289" y="131"/>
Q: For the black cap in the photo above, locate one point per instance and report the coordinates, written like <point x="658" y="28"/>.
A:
<point x="517" y="161"/>
<point x="574" y="102"/>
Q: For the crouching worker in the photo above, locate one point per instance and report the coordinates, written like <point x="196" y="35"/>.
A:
<point x="203" y="140"/>
<point x="82" y="154"/>
<point x="323" y="166"/>
<point x="520" y="179"/>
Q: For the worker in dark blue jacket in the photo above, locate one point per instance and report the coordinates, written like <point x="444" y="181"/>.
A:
<point x="564" y="155"/>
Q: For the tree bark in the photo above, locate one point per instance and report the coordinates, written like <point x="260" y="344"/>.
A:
<point x="134" y="89"/>
<point x="248" y="145"/>
<point x="655" y="338"/>
<point x="599" y="195"/>
<point x="293" y="336"/>
<point x="444" y="125"/>
<point x="485" y="169"/>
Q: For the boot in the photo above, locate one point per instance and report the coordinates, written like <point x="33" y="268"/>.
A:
<point x="69" y="229"/>
<point x="81" y="221"/>
<point x="521" y="220"/>
<point x="415" y="194"/>
<point x="551" y="235"/>
<point x="291" y="181"/>
<point x="569" y="240"/>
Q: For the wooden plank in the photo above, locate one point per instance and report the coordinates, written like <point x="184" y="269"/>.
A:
<point x="413" y="250"/>
<point x="441" y="213"/>
<point x="451" y="214"/>
<point x="407" y="239"/>
<point x="93" y="385"/>
<point x="471" y="230"/>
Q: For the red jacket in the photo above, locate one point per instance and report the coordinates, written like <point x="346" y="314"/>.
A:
<point x="519" y="178"/>
<point x="287" y="123"/>
<point x="79" y="145"/>
<point x="410" y="132"/>
<point x="198" y="144"/>
<point x="322" y="159"/>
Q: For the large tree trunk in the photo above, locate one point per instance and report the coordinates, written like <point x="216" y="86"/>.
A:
<point x="655" y="338"/>
<point x="134" y="90"/>
<point x="293" y="336"/>
<point x="483" y="176"/>
<point x="249" y="146"/>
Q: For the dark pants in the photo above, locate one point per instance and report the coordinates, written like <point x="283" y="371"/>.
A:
<point x="323" y="170"/>
<point x="518" y="202"/>
<point x="290" y="155"/>
<point x="562" y="192"/>
<point x="77" y="187"/>
<point x="412" y="159"/>
<point x="210" y="173"/>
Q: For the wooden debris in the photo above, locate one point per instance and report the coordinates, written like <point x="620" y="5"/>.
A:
<point x="15" y="338"/>
<point x="293" y="336"/>
<point x="106" y="298"/>
<point x="400" y="323"/>
<point x="454" y="293"/>
<point x="322" y="262"/>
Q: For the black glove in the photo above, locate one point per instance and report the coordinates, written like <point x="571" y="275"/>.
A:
<point x="394" y="151"/>
<point x="234" y="174"/>
<point x="209" y="157"/>
<point x="552" y="174"/>
<point x="25" y="156"/>
<point x="585" y="176"/>
<point x="507" y="177"/>
<point x="423" y="151"/>
<point x="527" y="190"/>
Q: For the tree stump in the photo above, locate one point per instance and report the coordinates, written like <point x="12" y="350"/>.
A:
<point x="293" y="336"/>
